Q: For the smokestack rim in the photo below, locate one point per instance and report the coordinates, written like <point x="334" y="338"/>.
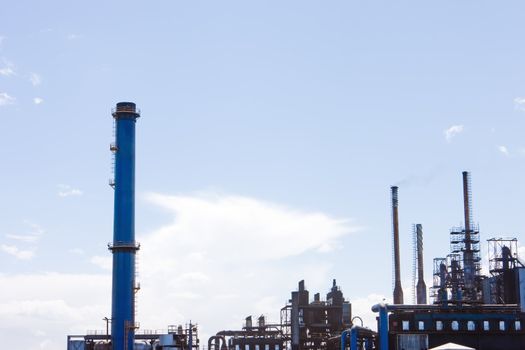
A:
<point x="395" y="196"/>
<point x="125" y="110"/>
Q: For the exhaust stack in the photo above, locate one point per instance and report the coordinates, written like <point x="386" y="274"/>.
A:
<point x="398" y="290"/>
<point x="469" y="263"/>
<point x="421" y="287"/>
<point x="124" y="247"/>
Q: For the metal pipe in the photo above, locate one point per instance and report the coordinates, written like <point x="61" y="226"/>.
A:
<point x="468" y="254"/>
<point x="190" y="337"/>
<point x="382" y="308"/>
<point x="354" y="332"/>
<point x="421" y="287"/>
<point x="466" y="206"/>
<point x="353" y="339"/>
<point x="398" y="290"/>
<point x="343" y="338"/>
<point x="124" y="246"/>
<point x="216" y="343"/>
<point x="357" y="331"/>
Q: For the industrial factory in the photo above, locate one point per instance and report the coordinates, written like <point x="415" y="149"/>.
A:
<point x="464" y="308"/>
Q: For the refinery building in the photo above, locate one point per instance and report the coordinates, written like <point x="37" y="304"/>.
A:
<point x="464" y="308"/>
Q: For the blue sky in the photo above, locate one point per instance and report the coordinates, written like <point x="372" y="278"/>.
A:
<point x="296" y="111"/>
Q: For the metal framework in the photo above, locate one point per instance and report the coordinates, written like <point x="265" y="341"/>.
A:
<point x="503" y="254"/>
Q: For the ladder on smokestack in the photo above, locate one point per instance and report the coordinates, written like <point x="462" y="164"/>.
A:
<point x="414" y="263"/>
<point x="136" y="287"/>
<point x="113" y="148"/>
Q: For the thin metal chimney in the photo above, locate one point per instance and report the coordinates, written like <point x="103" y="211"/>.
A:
<point x="398" y="290"/>
<point x="421" y="287"/>
<point x="468" y="254"/>
<point x="124" y="247"/>
<point x="467" y="207"/>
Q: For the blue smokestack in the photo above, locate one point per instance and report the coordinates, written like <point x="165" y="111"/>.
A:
<point x="124" y="246"/>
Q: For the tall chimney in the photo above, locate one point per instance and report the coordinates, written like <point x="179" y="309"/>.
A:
<point x="124" y="246"/>
<point x="421" y="287"/>
<point x="467" y="207"/>
<point x="398" y="290"/>
<point x="468" y="253"/>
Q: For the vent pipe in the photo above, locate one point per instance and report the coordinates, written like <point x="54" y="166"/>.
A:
<point x="421" y="287"/>
<point x="467" y="208"/>
<point x="468" y="254"/>
<point x="398" y="290"/>
<point x="124" y="247"/>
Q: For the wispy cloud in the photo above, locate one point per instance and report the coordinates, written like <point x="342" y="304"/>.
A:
<point x="104" y="262"/>
<point x="452" y="131"/>
<point x="31" y="237"/>
<point x="17" y="252"/>
<point x="504" y="150"/>
<point x="24" y="238"/>
<point x="519" y="103"/>
<point x="67" y="191"/>
<point x="73" y="36"/>
<point x="6" y="99"/>
<point x="38" y="100"/>
<point x="35" y="79"/>
<point x="8" y="69"/>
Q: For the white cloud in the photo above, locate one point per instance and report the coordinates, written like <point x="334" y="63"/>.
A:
<point x="52" y="305"/>
<point x="194" y="277"/>
<point x="73" y="36"/>
<point x="40" y="333"/>
<point x="521" y="253"/>
<point x="67" y="191"/>
<point x="243" y="221"/>
<point x="519" y="103"/>
<point x="31" y="237"/>
<point x="362" y="307"/>
<point x="220" y="255"/>
<point x="38" y="100"/>
<point x="452" y="131"/>
<point x="8" y="69"/>
<point x="503" y="150"/>
<point x="217" y="245"/>
<point x="17" y="252"/>
<point x="35" y="79"/>
<point x="104" y="262"/>
<point x="23" y="238"/>
<point x="6" y="99"/>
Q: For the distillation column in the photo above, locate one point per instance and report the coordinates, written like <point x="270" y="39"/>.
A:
<point x="124" y="247"/>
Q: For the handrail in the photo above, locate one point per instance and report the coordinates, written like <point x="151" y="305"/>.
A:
<point x="123" y="109"/>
